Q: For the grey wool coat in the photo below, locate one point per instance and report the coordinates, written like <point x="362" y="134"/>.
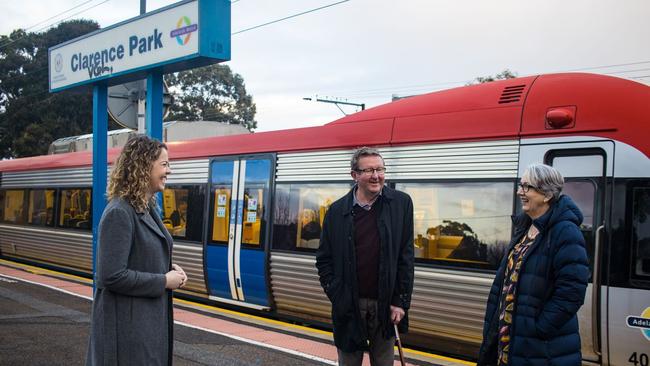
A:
<point x="132" y="311"/>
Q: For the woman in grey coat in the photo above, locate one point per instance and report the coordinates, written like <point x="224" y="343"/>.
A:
<point x="132" y="317"/>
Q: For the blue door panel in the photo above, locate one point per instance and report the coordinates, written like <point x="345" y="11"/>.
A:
<point x="217" y="268"/>
<point x="253" y="276"/>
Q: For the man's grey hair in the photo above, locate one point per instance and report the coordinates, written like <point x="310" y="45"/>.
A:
<point x="546" y="178"/>
<point x="361" y="152"/>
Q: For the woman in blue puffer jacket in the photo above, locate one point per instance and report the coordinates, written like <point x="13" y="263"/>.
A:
<point x="540" y="285"/>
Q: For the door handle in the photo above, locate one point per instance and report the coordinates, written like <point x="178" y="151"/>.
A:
<point x="595" y="291"/>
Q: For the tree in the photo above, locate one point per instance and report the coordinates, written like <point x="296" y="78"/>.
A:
<point x="505" y="74"/>
<point x="211" y="93"/>
<point x="30" y="116"/>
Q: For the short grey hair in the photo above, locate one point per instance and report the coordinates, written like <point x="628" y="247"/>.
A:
<point x="361" y="152"/>
<point x="546" y="178"/>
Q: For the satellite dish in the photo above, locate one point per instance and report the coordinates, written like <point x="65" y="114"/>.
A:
<point x="123" y="101"/>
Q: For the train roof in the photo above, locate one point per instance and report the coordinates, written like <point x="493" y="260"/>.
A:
<point x="603" y="106"/>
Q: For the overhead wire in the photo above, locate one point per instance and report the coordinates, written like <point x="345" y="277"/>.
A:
<point x="290" y="16"/>
<point x="57" y="15"/>
<point x="4" y="45"/>
<point x="432" y="87"/>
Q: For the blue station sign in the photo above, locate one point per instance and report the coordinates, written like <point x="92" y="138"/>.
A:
<point x="181" y="36"/>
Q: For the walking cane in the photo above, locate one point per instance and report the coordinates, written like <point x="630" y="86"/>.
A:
<point x="399" y="346"/>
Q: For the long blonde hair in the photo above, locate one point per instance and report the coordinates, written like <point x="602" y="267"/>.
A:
<point x="131" y="174"/>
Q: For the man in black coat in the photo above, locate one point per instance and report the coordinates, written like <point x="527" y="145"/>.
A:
<point x="365" y="263"/>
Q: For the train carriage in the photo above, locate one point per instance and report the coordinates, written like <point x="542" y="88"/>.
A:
<point x="246" y="211"/>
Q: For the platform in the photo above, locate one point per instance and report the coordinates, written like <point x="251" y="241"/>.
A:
<point x="45" y="319"/>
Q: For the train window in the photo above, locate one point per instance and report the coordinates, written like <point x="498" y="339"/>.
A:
<point x="256" y="188"/>
<point x="12" y="206"/>
<point x="41" y="207"/>
<point x="222" y="179"/>
<point x="299" y="213"/>
<point x="641" y="233"/>
<point x="465" y="223"/>
<point x="579" y="165"/>
<point x="74" y="208"/>
<point x="583" y="193"/>
<point x="183" y="211"/>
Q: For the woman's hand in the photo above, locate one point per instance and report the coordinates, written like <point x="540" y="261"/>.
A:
<point x="178" y="268"/>
<point x="175" y="278"/>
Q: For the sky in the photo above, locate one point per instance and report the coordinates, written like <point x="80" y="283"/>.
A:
<point x="366" y="51"/>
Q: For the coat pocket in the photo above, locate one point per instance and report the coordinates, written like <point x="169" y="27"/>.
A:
<point x="342" y="303"/>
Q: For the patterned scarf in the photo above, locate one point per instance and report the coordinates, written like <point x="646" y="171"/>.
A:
<point x="509" y="295"/>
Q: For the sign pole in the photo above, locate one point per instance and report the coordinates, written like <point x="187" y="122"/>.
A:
<point x="100" y="135"/>
<point x="154" y="114"/>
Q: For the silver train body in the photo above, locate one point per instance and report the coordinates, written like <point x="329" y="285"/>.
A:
<point x="448" y="302"/>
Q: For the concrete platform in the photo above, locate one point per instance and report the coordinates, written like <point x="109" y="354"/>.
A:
<point x="45" y="318"/>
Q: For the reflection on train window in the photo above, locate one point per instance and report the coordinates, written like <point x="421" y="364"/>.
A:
<point x="641" y="232"/>
<point x="583" y="193"/>
<point x="175" y="211"/>
<point x="461" y="222"/>
<point x="256" y="183"/>
<point x="74" y="210"/>
<point x="222" y="174"/>
<point x="12" y="206"/>
<point x="221" y="198"/>
<point x="183" y="211"/>
<point x="299" y="213"/>
<point x="41" y="207"/>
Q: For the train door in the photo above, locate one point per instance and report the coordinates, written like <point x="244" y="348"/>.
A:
<point x="586" y="168"/>
<point x="628" y="313"/>
<point x="584" y="171"/>
<point x="236" y="249"/>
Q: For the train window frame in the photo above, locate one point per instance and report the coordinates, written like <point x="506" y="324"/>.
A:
<point x="293" y="236"/>
<point x="2" y="205"/>
<point x="459" y="263"/>
<point x="193" y="215"/>
<point x="59" y="207"/>
<point x="637" y="280"/>
<point x="23" y="214"/>
<point x="30" y="208"/>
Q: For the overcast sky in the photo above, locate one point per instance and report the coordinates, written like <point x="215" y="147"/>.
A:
<point x="364" y="51"/>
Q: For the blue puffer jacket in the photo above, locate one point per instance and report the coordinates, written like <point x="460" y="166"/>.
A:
<point x="550" y="290"/>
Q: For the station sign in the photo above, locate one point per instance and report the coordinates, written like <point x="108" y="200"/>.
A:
<point x="181" y="36"/>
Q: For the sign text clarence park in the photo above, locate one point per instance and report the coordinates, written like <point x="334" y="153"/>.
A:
<point x="181" y="36"/>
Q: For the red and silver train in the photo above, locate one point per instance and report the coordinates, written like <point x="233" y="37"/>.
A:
<point x="459" y="153"/>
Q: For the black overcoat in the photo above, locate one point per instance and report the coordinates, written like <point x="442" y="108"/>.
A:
<point x="336" y="263"/>
<point x="132" y="318"/>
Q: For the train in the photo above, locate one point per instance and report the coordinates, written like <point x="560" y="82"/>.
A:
<point x="245" y="211"/>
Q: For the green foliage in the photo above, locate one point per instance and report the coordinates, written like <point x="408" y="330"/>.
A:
<point x="505" y="74"/>
<point x="30" y="116"/>
<point x="211" y="93"/>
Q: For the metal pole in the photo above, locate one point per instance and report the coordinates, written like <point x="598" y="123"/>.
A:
<point x="143" y="6"/>
<point x="100" y="135"/>
<point x="154" y="113"/>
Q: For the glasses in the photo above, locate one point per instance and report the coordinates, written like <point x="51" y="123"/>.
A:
<point x="370" y="171"/>
<point x="525" y="187"/>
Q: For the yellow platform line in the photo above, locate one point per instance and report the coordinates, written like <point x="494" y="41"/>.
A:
<point x="312" y="330"/>
<point x="38" y="270"/>
<point x="41" y="271"/>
